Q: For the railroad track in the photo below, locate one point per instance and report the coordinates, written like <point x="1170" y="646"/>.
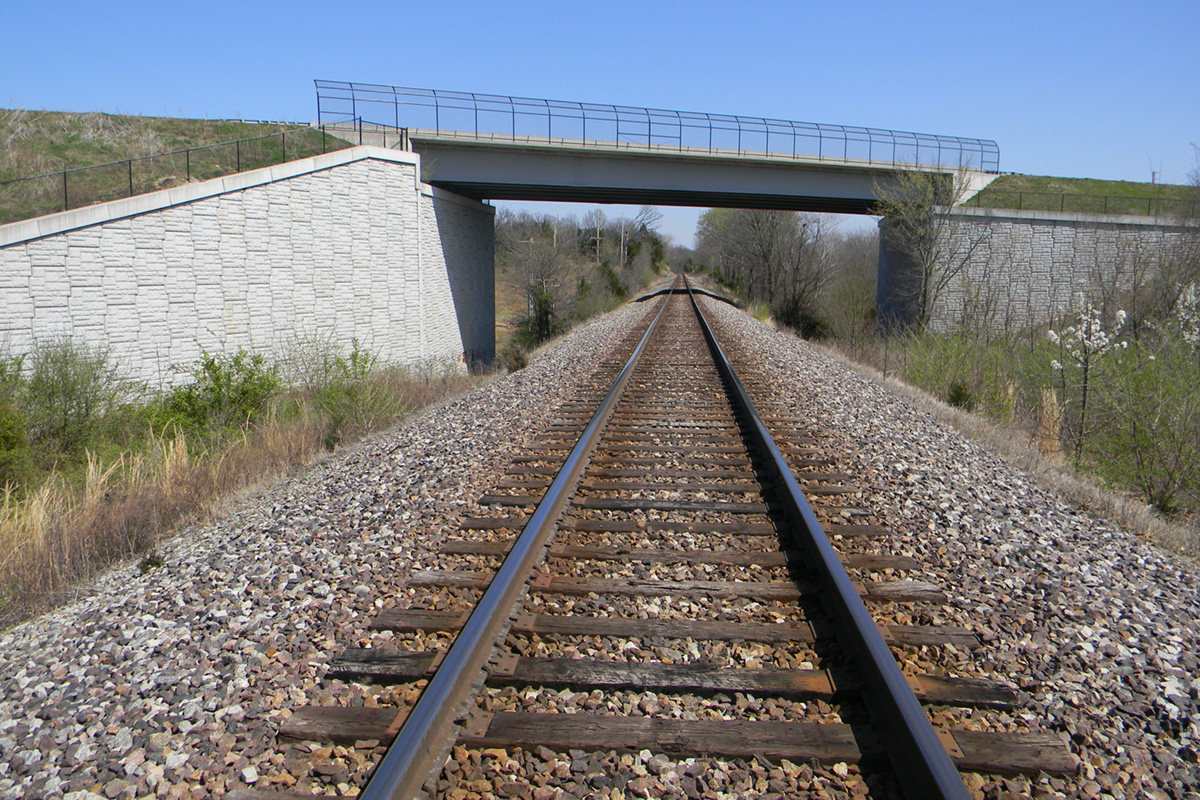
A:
<point x="651" y="578"/>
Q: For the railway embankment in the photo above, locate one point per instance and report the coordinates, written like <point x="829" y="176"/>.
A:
<point x="1093" y="623"/>
<point x="174" y="683"/>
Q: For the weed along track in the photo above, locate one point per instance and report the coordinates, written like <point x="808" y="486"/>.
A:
<point x="650" y="606"/>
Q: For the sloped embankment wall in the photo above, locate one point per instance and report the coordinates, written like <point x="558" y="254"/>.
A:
<point x="345" y="245"/>
<point x="1013" y="269"/>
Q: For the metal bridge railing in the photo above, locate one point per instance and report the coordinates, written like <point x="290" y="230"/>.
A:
<point x="488" y="116"/>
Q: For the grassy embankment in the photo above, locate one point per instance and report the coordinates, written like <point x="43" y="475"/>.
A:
<point x="96" y="469"/>
<point x="38" y="142"/>
<point x="1083" y="195"/>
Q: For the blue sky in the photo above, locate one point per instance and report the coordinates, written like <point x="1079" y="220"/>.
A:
<point x="1097" y="89"/>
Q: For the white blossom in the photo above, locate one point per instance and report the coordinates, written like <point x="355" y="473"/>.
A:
<point x="1189" y="315"/>
<point x="1087" y="340"/>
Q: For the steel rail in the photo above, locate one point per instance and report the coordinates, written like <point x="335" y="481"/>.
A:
<point x="410" y="759"/>
<point x="917" y="755"/>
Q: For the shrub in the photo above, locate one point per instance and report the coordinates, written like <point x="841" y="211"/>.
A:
<point x="70" y="388"/>
<point x="11" y="382"/>
<point x="760" y="311"/>
<point x="616" y="287"/>
<point x="151" y="562"/>
<point x="350" y="393"/>
<point x="514" y="357"/>
<point x="347" y="398"/>
<point x="589" y="302"/>
<point x="15" y="462"/>
<point x="310" y="361"/>
<point x="959" y="396"/>
<point x="542" y="325"/>
<point x="795" y="315"/>
<point x="1149" y="414"/>
<point x="1081" y="349"/>
<point x="229" y="391"/>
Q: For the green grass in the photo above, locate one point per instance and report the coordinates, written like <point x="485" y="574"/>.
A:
<point x="95" y="469"/>
<point x="39" y="142"/>
<point x="1084" y="195"/>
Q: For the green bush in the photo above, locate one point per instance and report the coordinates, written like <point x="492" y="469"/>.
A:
<point x="15" y="462"/>
<point x="228" y="392"/>
<point x="540" y="326"/>
<point x="616" y="287"/>
<point x="71" y="387"/>
<point x="1002" y="379"/>
<point x="959" y="396"/>
<point x="350" y="392"/>
<point x="347" y="398"/>
<point x="14" y="425"/>
<point x="795" y="315"/>
<point x="589" y="302"/>
<point x="11" y="380"/>
<point x="1147" y="411"/>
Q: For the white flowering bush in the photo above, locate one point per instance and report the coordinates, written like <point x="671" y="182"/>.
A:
<point x="1187" y="313"/>
<point x="1080" y="348"/>
<point x="1120" y="398"/>
<point x="1087" y="340"/>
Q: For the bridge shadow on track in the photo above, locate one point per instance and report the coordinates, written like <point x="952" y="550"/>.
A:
<point x="695" y="290"/>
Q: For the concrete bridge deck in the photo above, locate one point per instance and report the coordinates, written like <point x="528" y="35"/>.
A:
<point x="516" y="148"/>
<point x="499" y="167"/>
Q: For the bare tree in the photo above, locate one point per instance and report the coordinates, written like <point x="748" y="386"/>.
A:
<point x="647" y="219"/>
<point x="849" y="296"/>
<point x="534" y="251"/>
<point x="1182" y="262"/>
<point x="922" y="231"/>
<point x="770" y="256"/>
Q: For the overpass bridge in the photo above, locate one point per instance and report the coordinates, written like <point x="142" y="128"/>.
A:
<point x="496" y="147"/>
<point x="391" y="245"/>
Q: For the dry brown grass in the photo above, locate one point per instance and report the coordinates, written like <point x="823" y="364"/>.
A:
<point x="60" y="535"/>
<point x="1181" y="536"/>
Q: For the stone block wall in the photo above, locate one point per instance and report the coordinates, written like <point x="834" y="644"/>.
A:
<point x="1026" y="268"/>
<point x="345" y="245"/>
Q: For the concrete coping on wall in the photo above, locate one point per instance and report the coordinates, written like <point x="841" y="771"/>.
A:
<point x="87" y="216"/>
<point x="1061" y="217"/>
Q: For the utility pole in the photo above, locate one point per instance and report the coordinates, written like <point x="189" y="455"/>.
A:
<point x="622" y="256"/>
<point x="599" y="217"/>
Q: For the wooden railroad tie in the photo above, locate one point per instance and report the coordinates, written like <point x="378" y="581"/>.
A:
<point x="782" y="591"/>
<point x="410" y="620"/>
<point x="984" y="751"/>
<point x="701" y="677"/>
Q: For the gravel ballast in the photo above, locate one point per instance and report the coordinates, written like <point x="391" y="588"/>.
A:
<point x="1096" y="626"/>
<point x="173" y="683"/>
